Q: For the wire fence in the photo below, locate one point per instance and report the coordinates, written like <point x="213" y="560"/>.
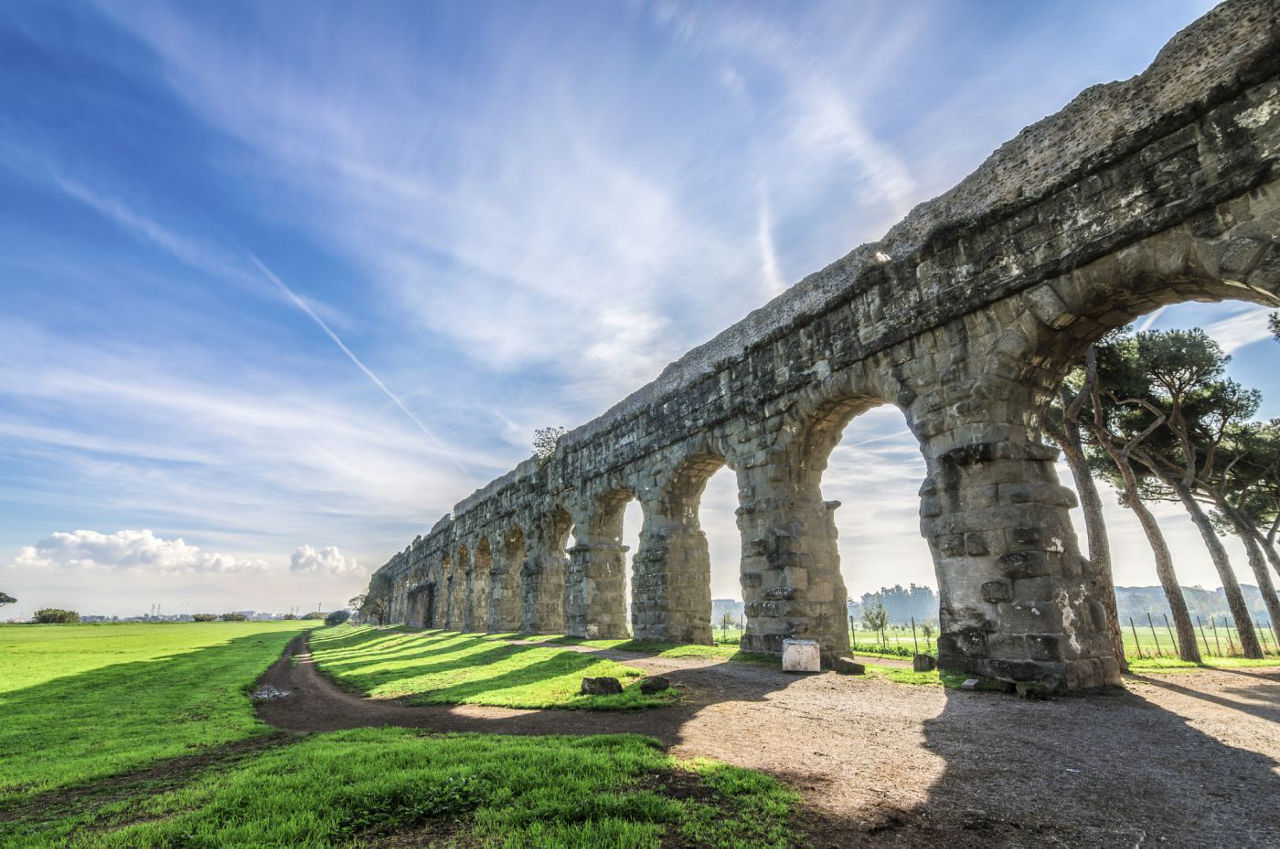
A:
<point x="898" y="639"/>
<point x="1147" y="636"/>
<point x="1151" y="636"/>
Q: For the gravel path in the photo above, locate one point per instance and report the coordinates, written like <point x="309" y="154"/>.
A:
<point x="1173" y="760"/>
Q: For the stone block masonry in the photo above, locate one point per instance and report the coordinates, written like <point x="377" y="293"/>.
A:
<point x="1159" y="189"/>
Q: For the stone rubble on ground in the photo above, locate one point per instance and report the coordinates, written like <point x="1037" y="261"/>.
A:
<point x="801" y="656"/>
<point x="602" y="686"/>
<point x="269" y="692"/>
<point x="654" y="684"/>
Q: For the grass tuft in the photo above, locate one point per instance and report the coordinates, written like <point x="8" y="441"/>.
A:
<point x="1173" y="664"/>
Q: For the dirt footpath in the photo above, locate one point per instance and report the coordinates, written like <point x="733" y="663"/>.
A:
<point x="1174" y="760"/>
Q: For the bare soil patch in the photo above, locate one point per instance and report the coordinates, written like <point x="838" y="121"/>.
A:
<point x="1187" y="759"/>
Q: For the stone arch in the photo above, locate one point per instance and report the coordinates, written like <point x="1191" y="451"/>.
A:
<point x="544" y="572"/>
<point x="421" y="601"/>
<point x="822" y="431"/>
<point x="505" y="581"/>
<point x="791" y="578"/>
<point x="480" y="586"/>
<point x="1204" y="260"/>
<point x="1018" y="599"/>
<point x="671" y="587"/>
<point x="683" y="491"/>
<point x="825" y="424"/>
<point x="595" y="589"/>
<point x="441" y="617"/>
<point x="458" y="589"/>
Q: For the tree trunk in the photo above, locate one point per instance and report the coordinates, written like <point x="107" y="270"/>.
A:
<point x="1096" y="529"/>
<point x="1268" y="546"/>
<point x="1188" y="649"/>
<point x="1272" y="554"/>
<point x="1230" y="586"/>
<point x="1258" y="563"/>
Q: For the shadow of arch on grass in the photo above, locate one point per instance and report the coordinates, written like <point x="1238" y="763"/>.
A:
<point x="116" y="718"/>
<point x="477" y="670"/>
<point x="1115" y="765"/>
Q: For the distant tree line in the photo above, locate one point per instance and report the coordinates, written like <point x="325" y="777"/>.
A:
<point x="55" y="616"/>
<point x="901" y="604"/>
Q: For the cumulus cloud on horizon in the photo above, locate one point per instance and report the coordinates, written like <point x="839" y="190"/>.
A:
<point x="327" y="560"/>
<point x="138" y="550"/>
<point x="141" y="551"/>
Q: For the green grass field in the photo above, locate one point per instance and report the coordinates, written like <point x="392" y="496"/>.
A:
<point x="144" y="736"/>
<point x="444" y="667"/>
<point x="351" y="787"/>
<point x="84" y="701"/>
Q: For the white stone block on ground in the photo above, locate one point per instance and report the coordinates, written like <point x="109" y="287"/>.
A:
<point x="801" y="656"/>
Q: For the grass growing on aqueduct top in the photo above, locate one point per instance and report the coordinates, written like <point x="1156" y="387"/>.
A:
<point x="444" y="667"/>
<point x="100" y="724"/>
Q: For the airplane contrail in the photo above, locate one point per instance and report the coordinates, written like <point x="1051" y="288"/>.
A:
<point x="302" y="305"/>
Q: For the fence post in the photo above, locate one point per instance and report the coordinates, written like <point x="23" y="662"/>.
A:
<point x="1227" y="627"/>
<point x="913" y="635"/>
<point x="1152" y="625"/>
<point x="1213" y="623"/>
<point x="1136" y="644"/>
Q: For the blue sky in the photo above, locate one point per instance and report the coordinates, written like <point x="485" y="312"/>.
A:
<point x="282" y="282"/>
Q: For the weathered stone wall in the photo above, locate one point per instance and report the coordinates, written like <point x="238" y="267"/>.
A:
<point x="1155" y="190"/>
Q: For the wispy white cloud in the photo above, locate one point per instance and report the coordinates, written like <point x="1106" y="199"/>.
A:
<point x="733" y="81"/>
<point x="1242" y="329"/>
<point x="829" y="124"/>
<point x="573" y="253"/>
<point x="182" y="438"/>
<point x="194" y="252"/>
<point x="217" y="261"/>
<point x="1148" y="321"/>
<point x="769" y="269"/>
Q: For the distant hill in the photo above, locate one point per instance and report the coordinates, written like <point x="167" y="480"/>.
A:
<point x="904" y="603"/>
<point x="1136" y="602"/>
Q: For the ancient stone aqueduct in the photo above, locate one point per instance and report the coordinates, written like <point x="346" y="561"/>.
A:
<point x="1159" y="189"/>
